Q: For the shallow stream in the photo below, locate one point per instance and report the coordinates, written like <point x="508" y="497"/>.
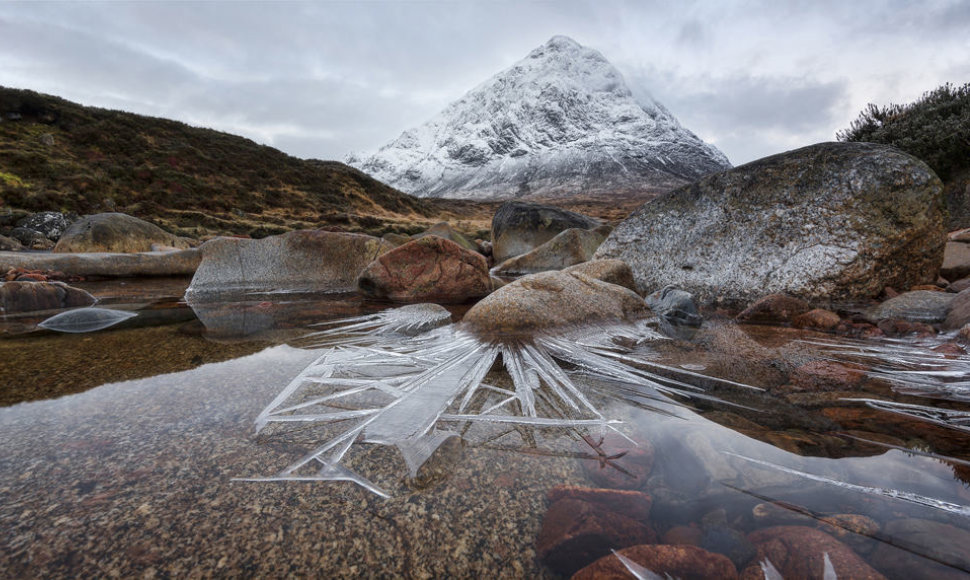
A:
<point x="129" y="452"/>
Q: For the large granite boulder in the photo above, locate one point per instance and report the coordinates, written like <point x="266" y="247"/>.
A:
<point x="550" y="300"/>
<point x="831" y="221"/>
<point x="299" y="261"/>
<point x="428" y="269"/>
<point x="17" y="297"/>
<point x="519" y="227"/>
<point x="115" y="232"/>
<point x="567" y="248"/>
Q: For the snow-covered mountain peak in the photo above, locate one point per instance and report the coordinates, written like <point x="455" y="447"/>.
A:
<point x="561" y="121"/>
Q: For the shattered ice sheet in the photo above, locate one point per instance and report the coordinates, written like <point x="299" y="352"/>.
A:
<point x="399" y="378"/>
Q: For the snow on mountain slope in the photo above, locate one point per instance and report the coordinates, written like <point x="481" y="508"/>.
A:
<point x="558" y="123"/>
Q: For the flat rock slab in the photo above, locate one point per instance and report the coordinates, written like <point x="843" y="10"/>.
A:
<point x="302" y="261"/>
<point x="106" y="264"/>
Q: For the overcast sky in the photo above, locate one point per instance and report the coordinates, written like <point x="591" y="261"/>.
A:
<point x="322" y="79"/>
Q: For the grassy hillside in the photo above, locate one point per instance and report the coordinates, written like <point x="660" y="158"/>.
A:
<point x="58" y="155"/>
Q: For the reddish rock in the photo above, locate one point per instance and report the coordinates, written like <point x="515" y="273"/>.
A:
<point x="822" y="375"/>
<point x="627" y="472"/>
<point x="774" y="309"/>
<point x="933" y="550"/>
<point x="798" y="552"/>
<point x="684" y="562"/>
<point x="683" y="535"/>
<point x="854" y="530"/>
<point x="575" y="533"/>
<point x="632" y="504"/>
<point x="818" y="319"/>
<point x="429" y="269"/>
<point x="897" y="327"/>
<point x="30" y="296"/>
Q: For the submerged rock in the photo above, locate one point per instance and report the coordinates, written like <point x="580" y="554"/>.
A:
<point x="569" y="247"/>
<point x="299" y="261"/>
<point x="945" y="545"/>
<point x="834" y="221"/>
<point x="798" y="552"/>
<point x="428" y="269"/>
<point x="575" y="533"/>
<point x="115" y="232"/>
<point x="665" y="561"/>
<point x="16" y="297"/>
<point x="774" y="309"/>
<point x="519" y="227"/>
<point x="553" y="299"/>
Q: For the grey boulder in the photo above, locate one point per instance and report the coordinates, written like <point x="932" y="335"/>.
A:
<point x="519" y="227"/>
<point x="833" y="221"/>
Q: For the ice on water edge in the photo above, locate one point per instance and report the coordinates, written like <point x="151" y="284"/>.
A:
<point x="405" y="377"/>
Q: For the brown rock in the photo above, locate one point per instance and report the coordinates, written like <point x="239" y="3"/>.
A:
<point x="682" y="561"/>
<point x="10" y="244"/>
<point x="613" y="271"/>
<point x="964" y="333"/>
<point x="798" y="552"/>
<point x="956" y="261"/>
<point x="553" y="300"/>
<point x="931" y="550"/>
<point x="683" y="535"/>
<point x="444" y="230"/>
<point x="959" y="235"/>
<point x="627" y="472"/>
<point x="959" y="313"/>
<point x="575" y="533"/>
<point x="822" y="375"/>
<point x="926" y="288"/>
<point x="115" y="232"/>
<point x="30" y="296"/>
<point x="818" y="319"/>
<point x="569" y="247"/>
<point x="518" y="227"/>
<point x="774" y="309"/>
<point x="632" y="504"/>
<point x="958" y="286"/>
<point x="854" y="530"/>
<point x="897" y="327"/>
<point x="428" y="269"/>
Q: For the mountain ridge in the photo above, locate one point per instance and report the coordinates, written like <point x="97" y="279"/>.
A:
<point x="56" y="155"/>
<point x="559" y="122"/>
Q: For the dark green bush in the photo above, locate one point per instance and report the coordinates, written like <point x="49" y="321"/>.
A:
<point x="935" y="128"/>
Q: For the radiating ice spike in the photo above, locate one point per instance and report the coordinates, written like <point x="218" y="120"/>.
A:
<point x="909" y="497"/>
